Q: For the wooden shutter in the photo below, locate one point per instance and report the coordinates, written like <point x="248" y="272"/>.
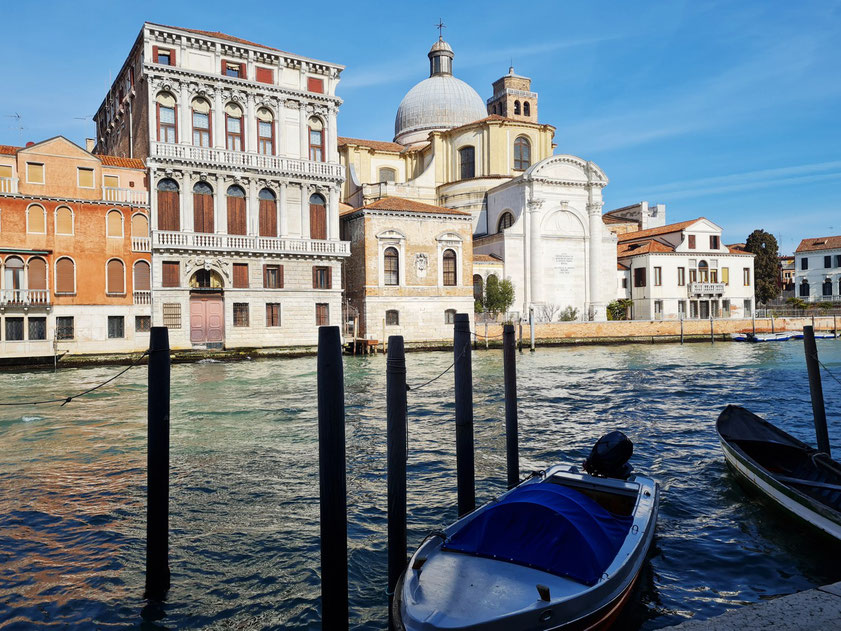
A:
<point x="171" y="274"/>
<point x="168" y="211"/>
<point x="65" y="276"/>
<point x="280" y="276"/>
<point x="315" y="85"/>
<point x="202" y="212"/>
<point x="64" y="221"/>
<point x="315" y="278"/>
<point x="265" y="276"/>
<point x="236" y="215"/>
<point x="265" y="75"/>
<point x="154" y="54"/>
<point x="329" y="272"/>
<point x="318" y="221"/>
<point x="114" y="222"/>
<point x="268" y="218"/>
<point x="241" y="275"/>
<point x="141" y="276"/>
<point x="37" y="274"/>
<point x="115" y="278"/>
<point x="172" y="57"/>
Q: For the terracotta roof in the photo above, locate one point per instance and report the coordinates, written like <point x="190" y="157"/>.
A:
<point x="608" y="219"/>
<point x="819" y="243"/>
<point x="218" y="35"/>
<point x="407" y="205"/>
<point x="343" y="207"/>
<point x="736" y="248"/>
<point x="486" y="258"/>
<point x="128" y="163"/>
<point x="9" y="149"/>
<point x="653" y="232"/>
<point x="494" y="117"/>
<point x="647" y="247"/>
<point x="622" y="268"/>
<point x="373" y="144"/>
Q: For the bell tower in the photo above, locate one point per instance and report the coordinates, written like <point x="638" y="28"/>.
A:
<point x="513" y="98"/>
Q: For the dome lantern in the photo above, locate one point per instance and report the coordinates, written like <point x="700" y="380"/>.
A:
<point x="440" y="58"/>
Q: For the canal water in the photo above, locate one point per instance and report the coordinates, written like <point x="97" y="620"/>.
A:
<point x="244" y="486"/>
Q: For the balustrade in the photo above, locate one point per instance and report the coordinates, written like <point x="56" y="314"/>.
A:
<point x="241" y="243"/>
<point x="24" y="297"/>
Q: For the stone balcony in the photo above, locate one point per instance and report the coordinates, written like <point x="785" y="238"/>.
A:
<point x="9" y="185"/>
<point x="223" y="158"/>
<point x="706" y="289"/>
<point x="195" y="241"/>
<point x="24" y="298"/>
<point x="125" y="196"/>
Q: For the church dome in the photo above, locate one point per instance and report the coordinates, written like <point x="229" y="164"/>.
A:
<point x="437" y="103"/>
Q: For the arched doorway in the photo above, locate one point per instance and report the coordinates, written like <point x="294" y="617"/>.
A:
<point x="207" y="309"/>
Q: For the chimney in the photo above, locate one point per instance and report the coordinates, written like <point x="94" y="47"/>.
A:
<point x="90" y="143"/>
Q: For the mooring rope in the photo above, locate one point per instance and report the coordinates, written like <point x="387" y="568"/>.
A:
<point x="828" y="371"/>
<point x="446" y="370"/>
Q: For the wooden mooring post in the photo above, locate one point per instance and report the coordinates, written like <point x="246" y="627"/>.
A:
<point x="815" y="388"/>
<point x="486" y="336"/>
<point x="331" y="479"/>
<point x="531" y="327"/>
<point x="157" y="486"/>
<point x="509" y="367"/>
<point x="464" y="414"/>
<point x="681" y="329"/>
<point x="520" y="343"/>
<point x="773" y="329"/>
<point x="753" y="320"/>
<point x="712" y="331"/>
<point x="396" y="441"/>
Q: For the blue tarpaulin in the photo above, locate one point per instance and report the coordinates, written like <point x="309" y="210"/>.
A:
<point x="548" y="527"/>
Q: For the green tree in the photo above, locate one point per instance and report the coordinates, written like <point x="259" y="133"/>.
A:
<point x="766" y="265"/>
<point x="499" y="295"/>
<point x="619" y="309"/>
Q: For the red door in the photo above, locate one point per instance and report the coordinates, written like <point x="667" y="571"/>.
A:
<point x="207" y="319"/>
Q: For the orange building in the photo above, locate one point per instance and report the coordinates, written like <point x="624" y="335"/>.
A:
<point x="74" y="251"/>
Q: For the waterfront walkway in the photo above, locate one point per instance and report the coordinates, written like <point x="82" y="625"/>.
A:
<point x="813" y="609"/>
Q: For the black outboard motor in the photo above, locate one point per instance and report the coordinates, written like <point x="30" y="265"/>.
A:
<point x="609" y="456"/>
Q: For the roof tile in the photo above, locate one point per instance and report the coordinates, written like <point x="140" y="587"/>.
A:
<point x="373" y="144"/>
<point x="399" y="204"/>
<point x="127" y="163"/>
<point x="653" y="232"/>
<point x="218" y="35"/>
<point x="819" y="243"/>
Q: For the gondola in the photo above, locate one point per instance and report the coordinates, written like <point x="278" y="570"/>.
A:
<point x="803" y="481"/>
<point x="761" y="337"/>
<point x="562" y="550"/>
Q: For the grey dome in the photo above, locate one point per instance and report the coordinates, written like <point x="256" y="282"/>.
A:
<point x="437" y="103"/>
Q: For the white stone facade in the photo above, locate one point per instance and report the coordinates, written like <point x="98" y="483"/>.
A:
<point x="819" y="278"/>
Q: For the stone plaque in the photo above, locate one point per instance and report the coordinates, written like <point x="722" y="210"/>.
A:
<point x="564" y="264"/>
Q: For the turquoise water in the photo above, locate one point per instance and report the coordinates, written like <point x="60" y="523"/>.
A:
<point x="244" y="487"/>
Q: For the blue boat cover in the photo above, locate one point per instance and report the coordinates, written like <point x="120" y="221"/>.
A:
<point x="548" y="527"/>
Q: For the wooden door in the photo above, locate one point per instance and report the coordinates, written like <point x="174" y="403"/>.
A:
<point x="318" y="221"/>
<point x="236" y="215"/>
<point x="168" y="212"/>
<point x="207" y="319"/>
<point x="203" y="213"/>
<point x="268" y="218"/>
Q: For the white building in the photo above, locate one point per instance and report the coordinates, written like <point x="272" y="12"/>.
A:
<point x="817" y="269"/>
<point x="683" y="270"/>
<point x="240" y="144"/>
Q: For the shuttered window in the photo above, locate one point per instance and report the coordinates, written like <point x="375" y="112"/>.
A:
<point x="63" y="220"/>
<point x="169" y="216"/>
<point x="241" y="275"/>
<point x="268" y="214"/>
<point x="203" y="208"/>
<point x="65" y="276"/>
<point x="142" y="276"/>
<point x="36" y="221"/>
<point x="272" y="314"/>
<point x="115" y="277"/>
<point x="315" y="85"/>
<point x="85" y="177"/>
<point x="172" y="315"/>
<point x="139" y="226"/>
<point x="37" y="274"/>
<point x="321" y="278"/>
<point x="318" y="217"/>
<point x="265" y="75"/>
<point x="114" y="223"/>
<point x="171" y="274"/>
<point x="322" y="314"/>
<point x="34" y="173"/>
<point x="272" y="276"/>
<point x="236" y="211"/>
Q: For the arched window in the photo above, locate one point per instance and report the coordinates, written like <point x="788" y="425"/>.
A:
<point x="827" y="287"/>
<point x="206" y="279"/>
<point x="478" y="289"/>
<point x="233" y="127"/>
<point x="466" y="158"/>
<point x="139" y="225"/>
<point x="392" y="317"/>
<point x="450" y="316"/>
<point x="268" y="213"/>
<point x="391" y="267"/>
<point x="804" y="288"/>
<point x="167" y="123"/>
<point x="142" y="276"/>
<point x="516" y="108"/>
<point x="37" y="275"/>
<point x="203" y="208"/>
<point x="114" y="224"/>
<point x="13" y="280"/>
<point x="387" y="175"/>
<point x="115" y="277"/>
<point x="318" y="217"/>
<point x="703" y="272"/>
<point x="522" y="153"/>
<point x="201" y="123"/>
<point x="169" y="213"/>
<point x="36" y="219"/>
<point x="65" y="276"/>
<point x="449" y="259"/>
<point x="526" y="108"/>
<point x="506" y="220"/>
<point x="265" y="131"/>
<point x="316" y="130"/>
<point x="63" y="220"/>
<point x="236" y="210"/>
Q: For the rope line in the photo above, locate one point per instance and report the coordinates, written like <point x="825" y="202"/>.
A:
<point x="65" y="400"/>
<point x="446" y="370"/>
<point x="828" y="371"/>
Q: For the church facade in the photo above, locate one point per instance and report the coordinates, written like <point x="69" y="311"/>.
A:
<point x="538" y="213"/>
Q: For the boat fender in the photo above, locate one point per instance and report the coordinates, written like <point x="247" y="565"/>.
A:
<point x="609" y="456"/>
<point x="543" y="590"/>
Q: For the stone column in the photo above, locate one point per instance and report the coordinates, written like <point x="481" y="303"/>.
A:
<point x="526" y="259"/>
<point x="535" y="251"/>
<point x="333" y="214"/>
<point x="218" y="122"/>
<point x="303" y="122"/>
<point x="252" y="209"/>
<point x="597" y="307"/>
<point x="332" y="137"/>
<point x="220" y="221"/>
<point x="283" y="219"/>
<point x="305" y="211"/>
<point x="187" y="217"/>
<point x="185" y="124"/>
<point x="250" y="124"/>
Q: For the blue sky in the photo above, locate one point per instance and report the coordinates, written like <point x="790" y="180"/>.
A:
<point x="728" y="110"/>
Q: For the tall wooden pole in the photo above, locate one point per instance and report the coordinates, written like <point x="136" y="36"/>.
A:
<point x="157" y="489"/>
<point x="816" y="389"/>
<point x="396" y="435"/>
<point x="331" y="479"/>
<point x="464" y="414"/>
<point x="509" y="365"/>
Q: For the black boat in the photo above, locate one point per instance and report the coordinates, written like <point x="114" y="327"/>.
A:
<point x="800" y="479"/>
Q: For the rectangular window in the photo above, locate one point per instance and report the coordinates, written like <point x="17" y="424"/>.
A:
<point x="84" y="177"/>
<point x="681" y="309"/>
<point x="321" y="278"/>
<point x="322" y="314"/>
<point x="838" y="260"/>
<point x="705" y="309"/>
<point x="234" y="132"/>
<point x="34" y="173"/>
<point x="64" y="328"/>
<point x="624" y="282"/>
<point x="142" y="324"/>
<point x="265" y="137"/>
<point x="691" y="241"/>
<point x="693" y="276"/>
<point x="746" y="276"/>
<point x="241" y="276"/>
<point x="747" y="312"/>
<point x="265" y="75"/>
<point x="272" y="314"/>
<point x="166" y="124"/>
<point x="713" y="275"/>
<point x="14" y="329"/>
<point x="681" y="276"/>
<point x="163" y="56"/>
<point x="111" y="181"/>
<point x="392" y="317"/>
<point x="639" y="277"/>
<point x="804" y="263"/>
<point x="725" y="308"/>
<point x="693" y="308"/>
<point x="315" y="85"/>
<point x="827" y="261"/>
<point x="714" y="242"/>
<point x="172" y="315"/>
<point x="273" y="277"/>
<point x="725" y="275"/>
<point x="37" y="328"/>
<point x="450" y="316"/>
<point x="658" y="309"/>
<point x="201" y="129"/>
<point x="316" y="145"/>
<point x="116" y="327"/>
<point x="658" y="276"/>
<point x="231" y="69"/>
<point x="171" y="276"/>
<point x="240" y="314"/>
<point x="467" y="159"/>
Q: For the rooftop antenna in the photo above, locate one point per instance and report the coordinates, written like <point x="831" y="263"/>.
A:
<point x="440" y="26"/>
<point x="19" y="119"/>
